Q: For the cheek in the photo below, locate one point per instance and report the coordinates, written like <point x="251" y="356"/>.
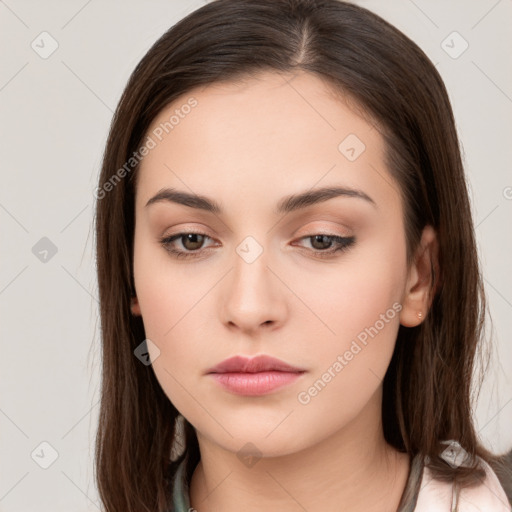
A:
<point x="167" y="291"/>
<point x="169" y="303"/>
<point x="360" y="303"/>
<point x="177" y="316"/>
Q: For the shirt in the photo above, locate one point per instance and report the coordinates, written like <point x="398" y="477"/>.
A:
<point x="422" y="493"/>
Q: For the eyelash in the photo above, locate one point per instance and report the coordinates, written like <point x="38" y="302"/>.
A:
<point x="342" y="244"/>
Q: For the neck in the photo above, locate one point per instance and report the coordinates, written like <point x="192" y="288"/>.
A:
<point x="354" y="470"/>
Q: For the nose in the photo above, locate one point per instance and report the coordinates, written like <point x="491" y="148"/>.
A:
<point x="252" y="296"/>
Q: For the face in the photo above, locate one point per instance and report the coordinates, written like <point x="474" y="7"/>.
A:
<point x="318" y="283"/>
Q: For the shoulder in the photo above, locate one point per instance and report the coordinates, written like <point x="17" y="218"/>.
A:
<point x="488" y="496"/>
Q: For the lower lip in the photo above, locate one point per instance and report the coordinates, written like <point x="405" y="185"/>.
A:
<point x="254" y="384"/>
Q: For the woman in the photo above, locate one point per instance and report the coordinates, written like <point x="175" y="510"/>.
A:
<point x="291" y="302"/>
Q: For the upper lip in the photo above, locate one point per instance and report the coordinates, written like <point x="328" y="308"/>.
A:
<point x="241" y="364"/>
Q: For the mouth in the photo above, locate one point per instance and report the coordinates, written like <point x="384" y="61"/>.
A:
<point x="252" y="377"/>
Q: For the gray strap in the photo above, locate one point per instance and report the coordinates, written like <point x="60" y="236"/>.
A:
<point x="412" y="487"/>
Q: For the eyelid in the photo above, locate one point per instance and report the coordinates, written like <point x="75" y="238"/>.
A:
<point x="324" y="229"/>
<point x="181" y="230"/>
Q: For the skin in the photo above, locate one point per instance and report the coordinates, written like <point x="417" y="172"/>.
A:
<point x="246" y="145"/>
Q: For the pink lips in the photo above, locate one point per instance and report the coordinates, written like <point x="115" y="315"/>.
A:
<point x="256" y="376"/>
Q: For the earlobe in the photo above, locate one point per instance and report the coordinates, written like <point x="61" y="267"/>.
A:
<point x="421" y="280"/>
<point x="134" y="306"/>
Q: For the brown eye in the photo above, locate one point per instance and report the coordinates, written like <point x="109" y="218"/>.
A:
<point x="192" y="241"/>
<point x="190" y="244"/>
<point x="325" y="246"/>
<point x="321" y="242"/>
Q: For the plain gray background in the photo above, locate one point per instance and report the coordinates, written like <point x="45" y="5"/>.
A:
<point x="55" y="113"/>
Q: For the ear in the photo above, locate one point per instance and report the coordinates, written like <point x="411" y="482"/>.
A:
<point x="421" y="280"/>
<point x="135" y="308"/>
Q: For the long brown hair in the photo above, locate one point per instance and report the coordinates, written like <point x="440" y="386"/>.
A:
<point x="427" y="389"/>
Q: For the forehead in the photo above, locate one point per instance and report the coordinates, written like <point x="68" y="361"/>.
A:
<point x="269" y="133"/>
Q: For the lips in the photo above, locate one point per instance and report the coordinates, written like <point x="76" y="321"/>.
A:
<point x="255" y="376"/>
<point x="263" y="363"/>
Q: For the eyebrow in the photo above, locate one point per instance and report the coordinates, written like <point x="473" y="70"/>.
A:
<point x="285" y="205"/>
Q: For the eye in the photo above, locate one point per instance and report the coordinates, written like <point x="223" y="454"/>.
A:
<point x="325" y="245"/>
<point x="191" y="241"/>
